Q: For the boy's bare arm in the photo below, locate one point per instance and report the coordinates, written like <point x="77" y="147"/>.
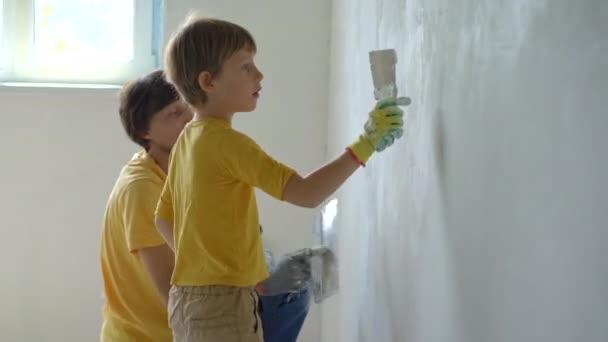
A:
<point x="384" y="126"/>
<point x="165" y="229"/>
<point x="159" y="262"/>
<point x="312" y="190"/>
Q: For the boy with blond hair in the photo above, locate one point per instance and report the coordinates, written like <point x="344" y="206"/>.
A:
<point x="207" y="211"/>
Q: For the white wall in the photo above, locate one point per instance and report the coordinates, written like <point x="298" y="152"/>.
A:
<point x="60" y="154"/>
<point x="488" y="220"/>
<point x="63" y="148"/>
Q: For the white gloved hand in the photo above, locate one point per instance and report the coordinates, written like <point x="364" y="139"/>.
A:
<point x="291" y="274"/>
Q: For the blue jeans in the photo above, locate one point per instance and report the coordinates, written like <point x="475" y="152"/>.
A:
<point x="283" y="315"/>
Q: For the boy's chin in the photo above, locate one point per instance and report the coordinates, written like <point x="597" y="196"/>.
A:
<point x="247" y="109"/>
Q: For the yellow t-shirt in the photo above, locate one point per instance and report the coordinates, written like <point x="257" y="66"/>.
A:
<point x="209" y="196"/>
<point x="132" y="311"/>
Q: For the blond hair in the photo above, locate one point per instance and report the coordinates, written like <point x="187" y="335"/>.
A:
<point x="202" y="44"/>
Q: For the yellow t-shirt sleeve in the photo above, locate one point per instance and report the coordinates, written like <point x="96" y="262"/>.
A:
<point x="164" y="208"/>
<point x="246" y="161"/>
<point x="138" y="207"/>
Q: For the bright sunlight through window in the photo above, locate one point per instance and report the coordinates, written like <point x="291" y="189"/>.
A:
<point x="78" y="41"/>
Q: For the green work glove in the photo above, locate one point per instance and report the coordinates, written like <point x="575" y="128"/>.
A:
<point x="384" y="126"/>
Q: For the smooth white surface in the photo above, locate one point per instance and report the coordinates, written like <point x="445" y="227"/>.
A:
<point x="62" y="149"/>
<point x="488" y="220"/>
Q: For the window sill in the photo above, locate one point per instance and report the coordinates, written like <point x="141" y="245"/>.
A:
<point x="61" y="88"/>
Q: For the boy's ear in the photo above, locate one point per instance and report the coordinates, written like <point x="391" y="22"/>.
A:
<point x="144" y="134"/>
<point x="205" y="81"/>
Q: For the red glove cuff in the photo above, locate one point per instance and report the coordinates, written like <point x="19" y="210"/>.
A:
<point x="354" y="156"/>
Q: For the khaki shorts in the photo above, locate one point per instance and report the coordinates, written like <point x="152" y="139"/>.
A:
<point x="214" y="314"/>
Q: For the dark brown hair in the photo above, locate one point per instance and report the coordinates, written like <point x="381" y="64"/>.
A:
<point x="140" y="99"/>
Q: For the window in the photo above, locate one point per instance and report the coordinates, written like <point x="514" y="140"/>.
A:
<point x="78" y="41"/>
<point x="1" y="36"/>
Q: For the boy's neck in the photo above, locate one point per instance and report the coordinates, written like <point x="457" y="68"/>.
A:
<point x="208" y="112"/>
<point x="160" y="156"/>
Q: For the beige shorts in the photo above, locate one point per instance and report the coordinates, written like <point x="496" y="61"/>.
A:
<point x="214" y="314"/>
